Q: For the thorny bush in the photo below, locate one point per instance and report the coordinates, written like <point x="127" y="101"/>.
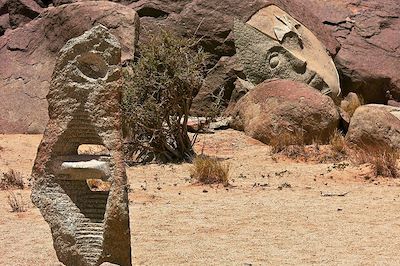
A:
<point x="158" y="93"/>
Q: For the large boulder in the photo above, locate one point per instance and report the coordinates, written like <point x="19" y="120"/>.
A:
<point x="278" y="108"/>
<point x="368" y="31"/>
<point x="28" y="55"/>
<point x="375" y="126"/>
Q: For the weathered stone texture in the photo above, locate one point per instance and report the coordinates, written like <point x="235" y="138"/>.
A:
<point x="28" y="55"/>
<point x="88" y="227"/>
<point x="375" y="126"/>
<point x="278" y="108"/>
<point x="368" y="31"/>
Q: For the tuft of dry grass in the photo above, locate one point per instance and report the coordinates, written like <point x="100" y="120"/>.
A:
<point x="384" y="161"/>
<point x="210" y="170"/>
<point x="295" y="148"/>
<point x="288" y="143"/>
<point x="16" y="202"/>
<point x="338" y="142"/>
<point x="11" y="180"/>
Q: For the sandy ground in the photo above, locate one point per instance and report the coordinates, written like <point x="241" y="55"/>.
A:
<point x="256" y="221"/>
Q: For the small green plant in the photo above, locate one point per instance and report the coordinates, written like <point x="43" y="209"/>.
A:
<point x="11" y="180"/>
<point x="210" y="170"/>
<point x="16" y="202"/>
<point x="158" y="93"/>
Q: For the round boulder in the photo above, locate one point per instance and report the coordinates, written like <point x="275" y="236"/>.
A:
<point x="282" y="108"/>
<point x="375" y="126"/>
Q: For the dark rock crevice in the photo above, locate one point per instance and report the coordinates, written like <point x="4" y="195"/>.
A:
<point x="152" y="12"/>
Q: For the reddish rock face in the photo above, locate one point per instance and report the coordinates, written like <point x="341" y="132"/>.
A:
<point x="22" y="11"/>
<point x="278" y="108"/>
<point x="15" y="13"/>
<point x="28" y="55"/>
<point x="369" y="33"/>
<point x="212" y="20"/>
<point x="88" y="226"/>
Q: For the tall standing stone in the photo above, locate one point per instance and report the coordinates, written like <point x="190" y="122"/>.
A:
<point x="88" y="227"/>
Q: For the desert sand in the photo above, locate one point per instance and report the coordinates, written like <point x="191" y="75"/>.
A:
<point x="272" y="214"/>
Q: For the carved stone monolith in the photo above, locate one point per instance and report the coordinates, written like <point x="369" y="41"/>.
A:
<point x="88" y="226"/>
<point x="273" y="45"/>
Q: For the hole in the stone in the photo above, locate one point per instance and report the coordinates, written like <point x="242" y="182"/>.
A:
<point x="92" y="149"/>
<point x="98" y="185"/>
<point x="152" y="12"/>
<point x="92" y="65"/>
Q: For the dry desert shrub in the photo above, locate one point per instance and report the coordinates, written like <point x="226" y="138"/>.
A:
<point x="210" y="170"/>
<point x="384" y="161"/>
<point x="11" y="179"/>
<point x="157" y="96"/>
<point x="16" y="202"/>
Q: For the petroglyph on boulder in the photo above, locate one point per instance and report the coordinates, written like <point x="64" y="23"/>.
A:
<point x="88" y="227"/>
<point x="272" y="44"/>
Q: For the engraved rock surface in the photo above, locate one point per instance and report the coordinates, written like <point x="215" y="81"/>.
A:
<point x="278" y="108"/>
<point x="88" y="227"/>
<point x="272" y="44"/>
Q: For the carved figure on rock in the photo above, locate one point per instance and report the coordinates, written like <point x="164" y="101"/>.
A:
<point x="88" y="227"/>
<point x="272" y="44"/>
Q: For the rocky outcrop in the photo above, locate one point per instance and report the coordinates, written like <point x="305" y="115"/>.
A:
<point x="278" y="108"/>
<point x="28" y="55"/>
<point x="375" y="126"/>
<point x="88" y="227"/>
<point x="367" y="31"/>
<point x="369" y="58"/>
<point x="212" y="21"/>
